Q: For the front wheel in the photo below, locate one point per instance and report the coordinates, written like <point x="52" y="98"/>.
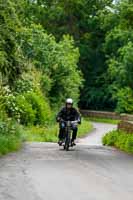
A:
<point x="67" y="139"/>
<point x="67" y="147"/>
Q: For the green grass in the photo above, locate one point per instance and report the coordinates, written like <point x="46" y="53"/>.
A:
<point x="9" y="144"/>
<point x="50" y="134"/>
<point x="119" y="139"/>
<point x="104" y="120"/>
<point x="41" y="134"/>
<point x="85" y="128"/>
<point x="12" y="135"/>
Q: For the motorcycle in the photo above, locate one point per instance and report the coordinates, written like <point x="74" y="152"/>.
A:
<point x="67" y="134"/>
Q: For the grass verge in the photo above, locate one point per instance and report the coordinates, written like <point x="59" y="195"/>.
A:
<point x="119" y="139"/>
<point x="9" y="144"/>
<point x="104" y="120"/>
<point x="85" y="128"/>
<point x="50" y="134"/>
<point x="10" y="136"/>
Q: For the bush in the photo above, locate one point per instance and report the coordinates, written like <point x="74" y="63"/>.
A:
<point x="40" y="106"/>
<point x="120" y="140"/>
<point x="23" y="85"/>
<point x="10" y="136"/>
<point x="20" y="109"/>
<point x="129" y="143"/>
<point x="9" y="127"/>
<point x="9" y="144"/>
<point x="57" y="61"/>
<point x="30" y="108"/>
<point x="110" y="138"/>
<point x="125" y="101"/>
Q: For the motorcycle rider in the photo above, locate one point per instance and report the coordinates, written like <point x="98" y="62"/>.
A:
<point x="68" y="113"/>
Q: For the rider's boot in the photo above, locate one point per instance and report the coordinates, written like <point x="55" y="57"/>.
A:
<point x="73" y="143"/>
<point x="60" y="142"/>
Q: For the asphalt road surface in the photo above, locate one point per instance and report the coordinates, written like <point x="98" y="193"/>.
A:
<point x="42" y="171"/>
<point x="95" y="138"/>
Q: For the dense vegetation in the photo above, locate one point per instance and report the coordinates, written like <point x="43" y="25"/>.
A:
<point x="120" y="140"/>
<point x="49" y="134"/>
<point x="103" y="32"/>
<point x="50" y="50"/>
<point x="37" y="73"/>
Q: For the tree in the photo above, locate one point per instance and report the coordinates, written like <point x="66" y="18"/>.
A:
<point x="81" y="19"/>
<point x="57" y="61"/>
<point x="118" y="48"/>
<point x="11" y="57"/>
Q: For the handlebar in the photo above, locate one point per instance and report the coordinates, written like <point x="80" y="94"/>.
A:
<point x="66" y="121"/>
<point x="69" y="123"/>
<point x="75" y="121"/>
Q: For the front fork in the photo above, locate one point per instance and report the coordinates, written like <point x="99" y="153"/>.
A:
<point x="68" y="136"/>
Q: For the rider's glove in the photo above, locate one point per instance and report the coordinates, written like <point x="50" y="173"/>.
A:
<point x="58" y="119"/>
<point x="79" y="121"/>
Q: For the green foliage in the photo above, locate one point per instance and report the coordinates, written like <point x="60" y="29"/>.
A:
<point x="104" y="120"/>
<point x="121" y="64"/>
<point x="25" y="102"/>
<point x="82" y="20"/>
<point x="46" y="46"/>
<point x="2" y="93"/>
<point x="50" y="133"/>
<point x="57" y="61"/>
<point x="40" y="106"/>
<point x="11" y="57"/>
<point x="125" y="101"/>
<point x="41" y="134"/>
<point x="118" y="47"/>
<point x="66" y="77"/>
<point x="9" y="127"/>
<point x="28" y="108"/>
<point x="23" y="85"/>
<point x="110" y="138"/>
<point x="10" y="136"/>
<point x="85" y="128"/>
<point x="103" y="32"/>
<point x="9" y="144"/>
<point x="20" y="109"/>
<point x="120" y="140"/>
<point x="129" y="144"/>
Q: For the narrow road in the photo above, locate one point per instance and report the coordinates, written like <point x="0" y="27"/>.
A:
<point x="95" y="138"/>
<point x="42" y="171"/>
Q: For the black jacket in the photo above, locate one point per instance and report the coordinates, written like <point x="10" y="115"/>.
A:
<point x="68" y="114"/>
